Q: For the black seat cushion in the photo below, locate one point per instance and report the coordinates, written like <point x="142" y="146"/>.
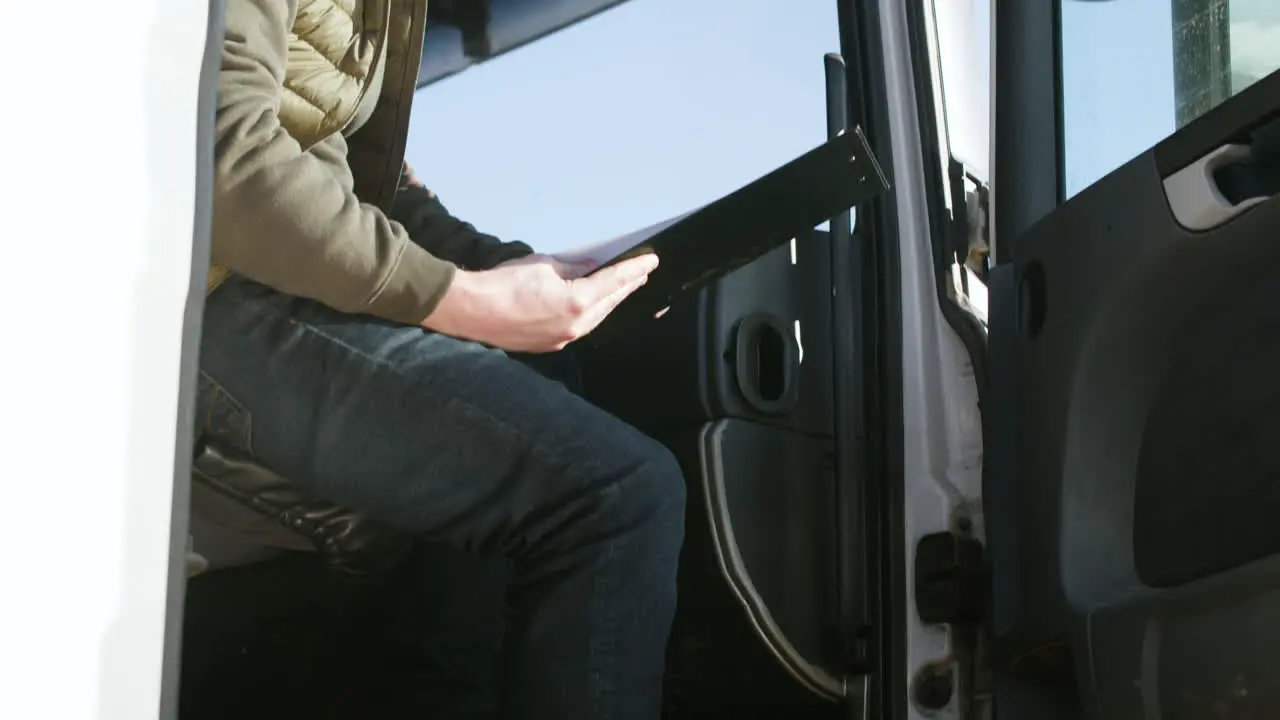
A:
<point x="353" y="546"/>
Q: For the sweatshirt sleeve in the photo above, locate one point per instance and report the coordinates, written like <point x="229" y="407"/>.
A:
<point x="282" y="216"/>
<point x="430" y="225"/>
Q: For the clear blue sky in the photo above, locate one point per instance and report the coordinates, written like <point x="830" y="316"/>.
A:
<point x="629" y="118"/>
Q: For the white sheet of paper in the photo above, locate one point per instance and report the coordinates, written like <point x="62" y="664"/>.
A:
<point x="602" y="252"/>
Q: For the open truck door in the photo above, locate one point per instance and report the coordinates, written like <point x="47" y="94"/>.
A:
<point x="99" y="380"/>
<point x="1106" y="295"/>
<point x="1133" y="460"/>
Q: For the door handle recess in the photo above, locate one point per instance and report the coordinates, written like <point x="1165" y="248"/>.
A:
<point x="1218" y="187"/>
<point x="766" y="364"/>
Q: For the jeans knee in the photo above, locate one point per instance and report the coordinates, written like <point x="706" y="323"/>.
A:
<point x="654" y="495"/>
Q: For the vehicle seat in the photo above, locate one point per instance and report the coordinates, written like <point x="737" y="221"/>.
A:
<point x="243" y="513"/>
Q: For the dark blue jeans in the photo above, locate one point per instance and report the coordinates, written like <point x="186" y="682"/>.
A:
<point x="468" y="447"/>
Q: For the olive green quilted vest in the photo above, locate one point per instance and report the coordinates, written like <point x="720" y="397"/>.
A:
<point x="353" y="66"/>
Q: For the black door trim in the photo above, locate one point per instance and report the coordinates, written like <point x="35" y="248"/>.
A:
<point x="1028" y="181"/>
<point x="879" y="274"/>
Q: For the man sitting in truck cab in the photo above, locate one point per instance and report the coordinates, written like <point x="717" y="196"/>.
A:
<point x="368" y="365"/>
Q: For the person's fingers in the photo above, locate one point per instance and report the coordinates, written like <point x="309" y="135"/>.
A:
<point x="619" y="274"/>
<point x="590" y="290"/>
<point x="640" y="265"/>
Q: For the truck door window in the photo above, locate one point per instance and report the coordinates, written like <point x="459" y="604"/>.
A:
<point x="1135" y="72"/>
<point x="963" y="29"/>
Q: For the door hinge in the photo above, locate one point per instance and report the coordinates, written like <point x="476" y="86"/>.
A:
<point x="951" y="579"/>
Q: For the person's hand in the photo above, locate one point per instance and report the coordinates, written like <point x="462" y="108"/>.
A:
<point x="536" y="303"/>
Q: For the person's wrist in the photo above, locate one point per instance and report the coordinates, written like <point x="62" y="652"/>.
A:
<point x="458" y="301"/>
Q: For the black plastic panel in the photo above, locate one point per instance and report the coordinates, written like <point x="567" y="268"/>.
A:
<point x="1208" y="486"/>
<point x="1222" y="662"/>
<point x="1142" y="454"/>
<point x="718" y="666"/>
<point x="1111" y="293"/>
<point x="1028" y="180"/>
<point x="731" y="351"/>
<point x="1202" y="650"/>
<point x="770" y="497"/>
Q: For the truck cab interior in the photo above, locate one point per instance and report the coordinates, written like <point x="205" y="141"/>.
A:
<point x="728" y="392"/>
<point x="999" y="442"/>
